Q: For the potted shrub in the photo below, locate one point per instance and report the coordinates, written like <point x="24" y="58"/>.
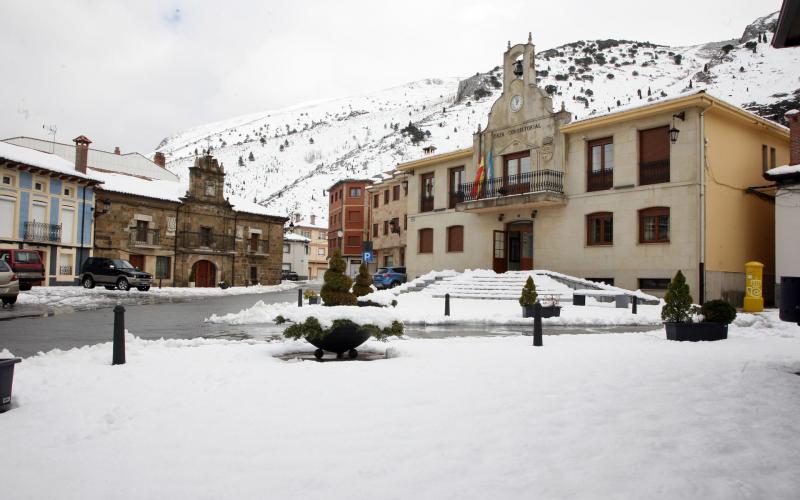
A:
<point x="223" y="285"/>
<point x="529" y="297"/>
<point x="344" y="335"/>
<point x="6" y="380"/>
<point x="678" y="313"/>
<point x="191" y="278"/>
<point x="363" y="286"/>
<point x="311" y="296"/>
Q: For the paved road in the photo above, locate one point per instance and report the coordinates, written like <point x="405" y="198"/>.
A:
<point x="29" y="335"/>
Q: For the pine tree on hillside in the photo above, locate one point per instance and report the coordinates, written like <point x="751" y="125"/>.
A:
<point x="251" y="157"/>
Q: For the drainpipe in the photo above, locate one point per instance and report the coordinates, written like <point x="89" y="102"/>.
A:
<point x="175" y="245"/>
<point x="702" y="266"/>
<point x="83" y="225"/>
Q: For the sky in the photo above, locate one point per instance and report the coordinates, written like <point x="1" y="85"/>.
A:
<point x="130" y="73"/>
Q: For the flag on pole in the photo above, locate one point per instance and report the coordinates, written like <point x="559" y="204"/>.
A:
<point x="477" y="187"/>
<point x="490" y="170"/>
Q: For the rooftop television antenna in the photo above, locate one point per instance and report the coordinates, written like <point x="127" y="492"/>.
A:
<point x="51" y="129"/>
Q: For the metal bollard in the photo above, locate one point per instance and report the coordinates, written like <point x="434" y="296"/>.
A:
<point x="447" y="304"/>
<point x="634" y="303"/>
<point x="299" y="297"/>
<point x="118" y="357"/>
<point x="537" y="324"/>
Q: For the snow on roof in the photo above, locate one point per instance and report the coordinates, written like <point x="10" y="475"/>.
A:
<point x="140" y="186"/>
<point x="785" y="170"/>
<point x="242" y="205"/>
<point x="792" y="112"/>
<point x="295" y="237"/>
<point x="40" y="159"/>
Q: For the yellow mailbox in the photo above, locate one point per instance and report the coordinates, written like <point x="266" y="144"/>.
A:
<point x="753" y="284"/>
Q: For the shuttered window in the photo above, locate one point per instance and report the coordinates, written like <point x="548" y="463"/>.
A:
<point x="654" y="155"/>
<point x="426" y="240"/>
<point x="455" y="239"/>
<point x="600" y="172"/>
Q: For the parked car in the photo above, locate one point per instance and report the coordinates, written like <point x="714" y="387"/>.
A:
<point x="113" y="274"/>
<point x="289" y="275"/>
<point x="27" y="264"/>
<point x="9" y="284"/>
<point x="389" y="277"/>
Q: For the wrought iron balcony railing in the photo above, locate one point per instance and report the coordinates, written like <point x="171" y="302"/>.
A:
<point x="145" y="237"/>
<point x="40" y="231"/>
<point x="65" y="270"/>
<point x="206" y="241"/>
<point x="654" y="172"/>
<point x="257" y="246"/>
<point x="545" y="180"/>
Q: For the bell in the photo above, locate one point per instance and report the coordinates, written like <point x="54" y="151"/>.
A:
<point x="518" y="68"/>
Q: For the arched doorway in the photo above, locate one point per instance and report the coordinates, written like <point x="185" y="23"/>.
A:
<point x="205" y="273"/>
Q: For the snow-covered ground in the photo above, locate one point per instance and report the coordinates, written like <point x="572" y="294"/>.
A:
<point x="78" y="297"/>
<point x="585" y="416"/>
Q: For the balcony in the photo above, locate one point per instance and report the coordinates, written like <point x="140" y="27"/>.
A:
<point x="426" y="204"/>
<point x="205" y="241"/>
<point x="145" y="237"/>
<point x="600" y="181"/>
<point x="527" y="190"/>
<point x="40" y="231"/>
<point x="257" y="247"/>
<point x="654" y="172"/>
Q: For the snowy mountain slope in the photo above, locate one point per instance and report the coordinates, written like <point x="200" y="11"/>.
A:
<point x="285" y="159"/>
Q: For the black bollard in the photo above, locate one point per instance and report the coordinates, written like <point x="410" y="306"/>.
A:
<point x="447" y="304"/>
<point x="119" y="336"/>
<point x="634" y="303"/>
<point x="537" y="324"/>
<point x="299" y="297"/>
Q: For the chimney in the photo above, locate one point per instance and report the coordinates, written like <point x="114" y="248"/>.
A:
<point x="160" y="160"/>
<point x="313" y="219"/>
<point x="116" y="150"/>
<point x="793" y="120"/>
<point x="81" y="152"/>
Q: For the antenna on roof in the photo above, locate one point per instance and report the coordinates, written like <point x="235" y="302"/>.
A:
<point x="51" y="129"/>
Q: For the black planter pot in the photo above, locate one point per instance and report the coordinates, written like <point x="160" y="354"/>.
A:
<point x="313" y="300"/>
<point x="6" y="379"/>
<point x="547" y="311"/>
<point x="368" y="303"/>
<point x="694" y="332"/>
<point x="343" y="339"/>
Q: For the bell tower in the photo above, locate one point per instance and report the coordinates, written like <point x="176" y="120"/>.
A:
<point x="207" y="180"/>
<point x="519" y="63"/>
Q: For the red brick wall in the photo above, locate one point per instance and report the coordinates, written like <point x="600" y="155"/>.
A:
<point x="794" y="138"/>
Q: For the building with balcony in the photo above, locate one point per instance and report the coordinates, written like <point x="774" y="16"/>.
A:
<point x="387" y="219"/>
<point x="46" y="204"/>
<point x="186" y="234"/>
<point x="627" y="197"/>
<point x="347" y="221"/>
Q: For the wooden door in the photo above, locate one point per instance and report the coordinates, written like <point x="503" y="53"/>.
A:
<point x="204" y="273"/>
<point x="137" y="261"/>
<point x="499" y="263"/>
<point x="526" y="248"/>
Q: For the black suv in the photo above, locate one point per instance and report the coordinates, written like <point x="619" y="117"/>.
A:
<point x="289" y="275"/>
<point x="113" y="273"/>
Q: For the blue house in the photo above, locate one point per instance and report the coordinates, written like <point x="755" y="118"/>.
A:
<point x="47" y="204"/>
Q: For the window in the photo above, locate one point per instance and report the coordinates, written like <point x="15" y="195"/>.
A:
<point x="405" y="188"/>
<point x="8" y="180"/>
<point x="254" y="273"/>
<point x="141" y="230"/>
<point x="600" y="174"/>
<point x="323" y="236"/>
<point x="38" y="186"/>
<point x="163" y="267"/>
<point x="67" y="191"/>
<point x="286" y="248"/>
<point x="7" y="208"/>
<point x="395" y="193"/>
<point x="353" y="241"/>
<point x="426" y="240"/>
<point x="65" y="261"/>
<point x="385" y="196"/>
<point x="653" y="283"/>
<point x="254" y="242"/>
<point x="205" y="236"/>
<point x="455" y="239"/>
<point x="375" y="230"/>
<point x="355" y="192"/>
<point x="321" y="251"/>
<point x="405" y="221"/>
<point x="426" y="192"/>
<point x="772" y="158"/>
<point x="394" y="225"/>
<point x="354" y="216"/>
<point x="456" y="194"/>
<point x="388" y="261"/>
<point x="600" y="228"/>
<point x="654" y="155"/>
<point x="517" y="167"/>
<point x="305" y="248"/>
<point x="654" y="225"/>
<point x="306" y="233"/>
<point x="764" y="158"/>
<point x="376" y="200"/>
<point x="386" y="228"/>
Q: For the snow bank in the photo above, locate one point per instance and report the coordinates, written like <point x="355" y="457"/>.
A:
<point x="266" y="313"/>
<point x="585" y="416"/>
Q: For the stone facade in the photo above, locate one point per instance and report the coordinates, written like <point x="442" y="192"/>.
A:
<point x="199" y="238"/>
<point x="386" y="206"/>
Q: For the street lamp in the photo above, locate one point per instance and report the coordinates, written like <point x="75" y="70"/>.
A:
<point x="673" y="132"/>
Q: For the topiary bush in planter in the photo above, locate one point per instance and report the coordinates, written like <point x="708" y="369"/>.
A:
<point x="336" y="290"/>
<point x="363" y="285"/>
<point x="678" y="312"/>
<point x="529" y="297"/>
<point x="342" y="336"/>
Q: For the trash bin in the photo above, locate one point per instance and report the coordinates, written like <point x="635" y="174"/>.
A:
<point x="6" y="378"/>
<point x="790" y="299"/>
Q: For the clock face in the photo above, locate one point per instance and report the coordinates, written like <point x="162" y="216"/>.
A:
<point x="516" y="103"/>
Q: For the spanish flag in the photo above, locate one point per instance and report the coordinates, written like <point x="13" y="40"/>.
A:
<point x="477" y="186"/>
